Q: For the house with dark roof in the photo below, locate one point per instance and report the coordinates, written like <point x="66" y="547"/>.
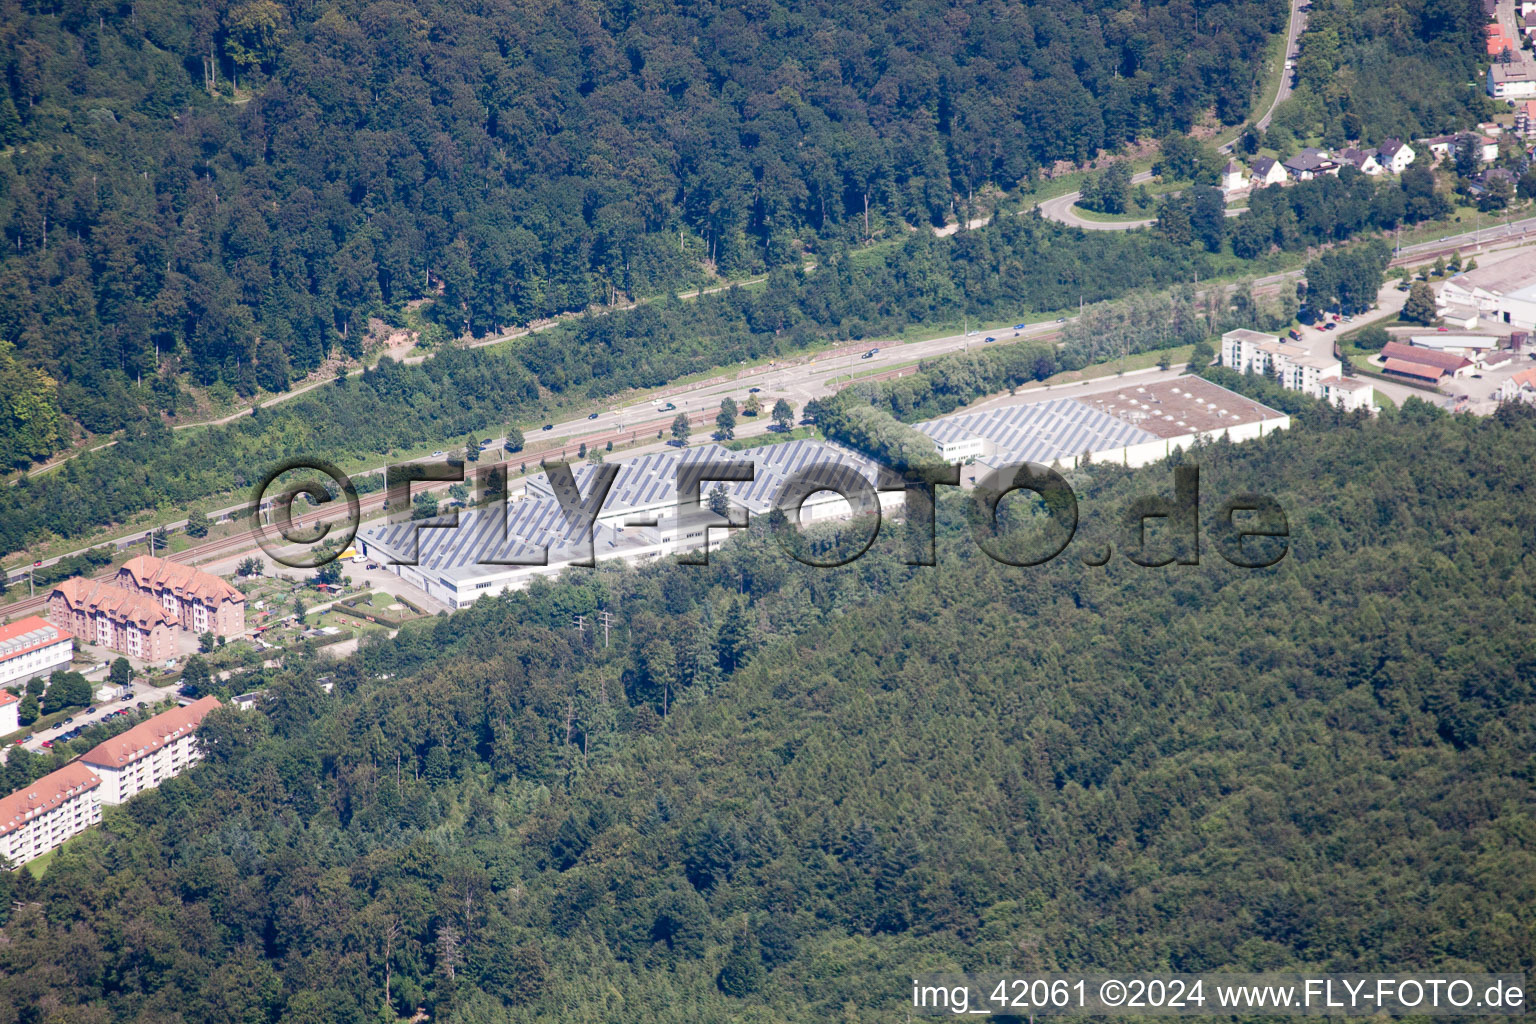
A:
<point x="1362" y="160"/>
<point x="1394" y="155"/>
<point x="1310" y="163"/>
<point x="1268" y="171"/>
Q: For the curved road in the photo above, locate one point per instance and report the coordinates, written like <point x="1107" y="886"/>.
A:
<point x="1062" y="207"/>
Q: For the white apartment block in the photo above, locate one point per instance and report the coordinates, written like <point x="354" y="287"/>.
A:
<point x="40" y="817"/>
<point x="32" y="647"/>
<point x="1297" y="369"/>
<point x="150" y="752"/>
<point x="1348" y="393"/>
<point x="10" y="706"/>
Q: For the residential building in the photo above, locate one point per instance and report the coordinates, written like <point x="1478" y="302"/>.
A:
<point x="1525" y="120"/>
<point x="1498" y="40"/>
<point x="1348" y="393"/>
<point x="38" y="818"/>
<point x="1306" y="372"/>
<point x="32" y="647"/>
<point x="1503" y="293"/>
<point x="199" y="601"/>
<point x="1309" y="164"/>
<point x="10" y="706"/>
<point x="1520" y="387"/>
<point x="150" y="752"/>
<point x="1362" y="160"/>
<point x="123" y="620"/>
<point x="1395" y="155"/>
<point x="1514" y="81"/>
<point x="1268" y="171"/>
<point x="1439" y="146"/>
<point x="1264" y="354"/>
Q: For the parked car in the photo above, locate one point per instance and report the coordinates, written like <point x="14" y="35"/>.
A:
<point x="90" y="711"/>
<point x="1330" y="327"/>
<point x="1061" y="319"/>
<point x="989" y="340"/>
<point x="1477" y="376"/>
<point x="486" y="443"/>
<point x="126" y="697"/>
<point x="68" y="721"/>
<point x="47" y="743"/>
<point x="753" y="391"/>
<point x="437" y="455"/>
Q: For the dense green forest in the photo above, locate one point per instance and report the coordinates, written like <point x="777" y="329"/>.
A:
<point x="1381" y="69"/>
<point x="780" y="790"/>
<point x="231" y="189"/>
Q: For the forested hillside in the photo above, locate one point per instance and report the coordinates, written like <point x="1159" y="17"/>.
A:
<point x="782" y="790"/>
<point x="230" y="189"/>
<point x="1379" y="69"/>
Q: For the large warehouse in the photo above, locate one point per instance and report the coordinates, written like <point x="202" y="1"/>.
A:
<point x="1504" y="294"/>
<point x="638" y="519"/>
<point x="1133" y="425"/>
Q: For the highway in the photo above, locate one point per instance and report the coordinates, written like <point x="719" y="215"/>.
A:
<point x="797" y="379"/>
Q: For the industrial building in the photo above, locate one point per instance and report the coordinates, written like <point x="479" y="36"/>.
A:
<point x="1503" y="294"/>
<point x="638" y="519"/>
<point x="1133" y="425"/>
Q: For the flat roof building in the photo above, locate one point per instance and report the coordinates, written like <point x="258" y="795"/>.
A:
<point x="1133" y="425"/>
<point x="638" y="519"/>
<point x="31" y="647"/>
<point x="1504" y="293"/>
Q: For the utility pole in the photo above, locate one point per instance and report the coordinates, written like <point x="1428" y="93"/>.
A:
<point x="581" y="623"/>
<point x="607" y="620"/>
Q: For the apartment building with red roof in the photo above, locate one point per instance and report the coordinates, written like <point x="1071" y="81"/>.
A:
<point x="199" y="601"/>
<point x="31" y="647"/>
<point x="150" y="752"/>
<point x="39" y="817"/>
<point x="123" y="620"/>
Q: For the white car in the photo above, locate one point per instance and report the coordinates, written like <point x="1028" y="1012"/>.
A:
<point x="437" y="455"/>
